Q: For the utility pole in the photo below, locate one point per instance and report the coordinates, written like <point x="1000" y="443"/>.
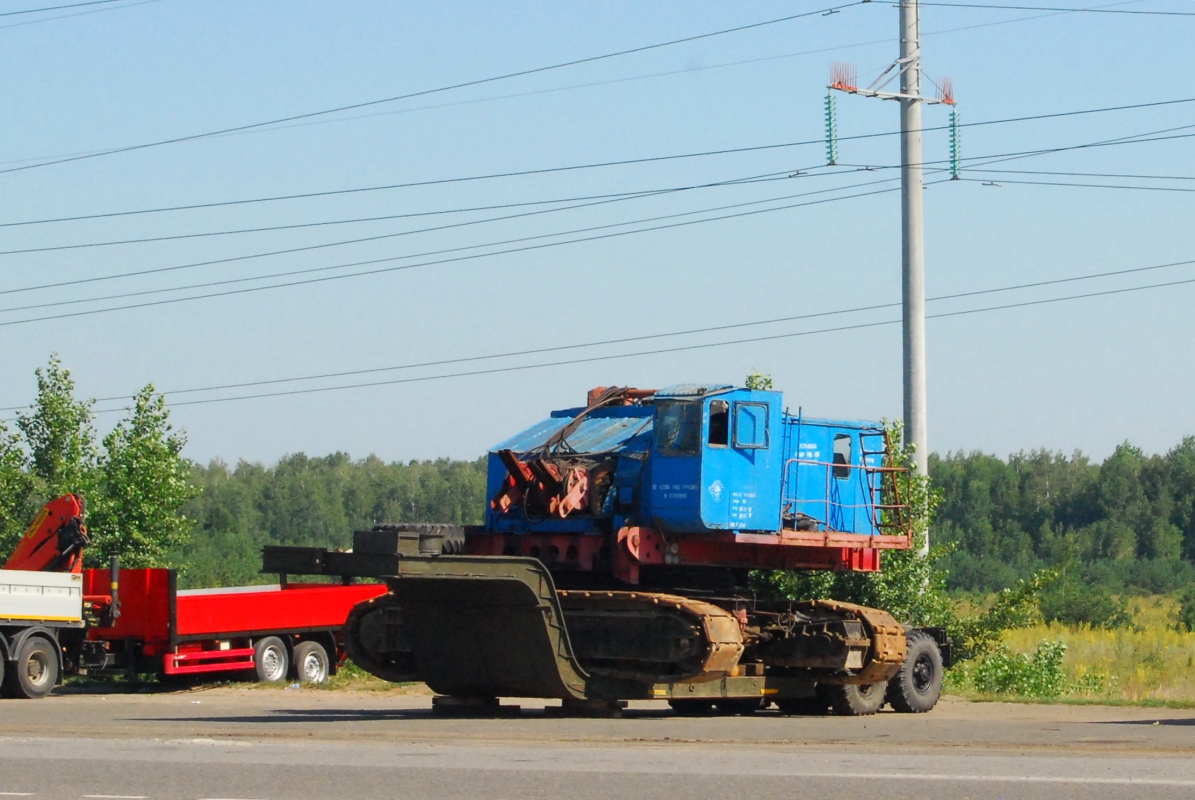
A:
<point x="908" y="66"/>
<point x="913" y="238"/>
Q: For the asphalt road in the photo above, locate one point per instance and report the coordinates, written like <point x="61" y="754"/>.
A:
<point x="254" y="744"/>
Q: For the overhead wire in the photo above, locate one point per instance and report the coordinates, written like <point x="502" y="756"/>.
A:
<point x="1058" y="9"/>
<point x="454" y="259"/>
<point x="647" y="76"/>
<point x="668" y="334"/>
<point x="676" y="349"/>
<point x="611" y="196"/>
<point x="1076" y="184"/>
<point x="325" y="245"/>
<point x="437" y="90"/>
<point x="586" y="166"/>
<point x="55" y="8"/>
<point x="986" y="159"/>
<point x="78" y="14"/>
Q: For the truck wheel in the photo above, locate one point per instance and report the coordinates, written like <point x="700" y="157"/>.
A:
<point x="34" y="671"/>
<point x="916" y="687"/>
<point x="270" y="661"/>
<point x="853" y="700"/>
<point x="311" y="662"/>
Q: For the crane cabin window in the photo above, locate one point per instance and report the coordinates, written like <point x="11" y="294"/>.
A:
<point x="719" y="435"/>
<point x="678" y="428"/>
<point x="842" y="456"/>
<point x="751" y="426"/>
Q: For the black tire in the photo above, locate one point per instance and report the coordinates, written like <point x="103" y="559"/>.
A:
<point x="743" y="706"/>
<point x="916" y="688"/>
<point x="692" y="708"/>
<point x="33" y="673"/>
<point x="311" y="663"/>
<point x="270" y="660"/>
<point x="816" y="706"/>
<point x="853" y="700"/>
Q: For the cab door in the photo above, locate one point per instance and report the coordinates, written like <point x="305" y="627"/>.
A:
<point x="740" y="474"/>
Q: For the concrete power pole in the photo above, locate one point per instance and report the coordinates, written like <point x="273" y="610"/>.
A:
<point x="913" y="237"/>
<point x="908" y="67"/>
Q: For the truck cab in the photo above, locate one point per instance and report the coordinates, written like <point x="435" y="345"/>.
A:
<point x="715" y="459"/>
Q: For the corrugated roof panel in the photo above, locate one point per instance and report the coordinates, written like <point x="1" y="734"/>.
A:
<point x="627" y="429"/>
<point x="694" y="390"/>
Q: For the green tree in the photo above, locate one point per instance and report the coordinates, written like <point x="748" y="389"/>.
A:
<point x="59" y="435"/>
<point x="143" y="482"/>
<point x="16" y="488"/>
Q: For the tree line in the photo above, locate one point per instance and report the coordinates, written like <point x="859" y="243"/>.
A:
<point x="1127" y="523"/>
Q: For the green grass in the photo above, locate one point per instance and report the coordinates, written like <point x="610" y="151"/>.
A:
<point x="1147" y="664"/>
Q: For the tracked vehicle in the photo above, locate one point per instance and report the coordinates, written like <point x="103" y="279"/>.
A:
<point x="614" y="563"/>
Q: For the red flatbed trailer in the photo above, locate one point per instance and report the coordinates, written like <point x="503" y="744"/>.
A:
<point x="161" y="629"/>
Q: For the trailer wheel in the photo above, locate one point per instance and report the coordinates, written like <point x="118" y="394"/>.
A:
<point x="34" y="671"/>
<point x="270" y="660"/>
<point x="311" y="662"/>
<point x="916" y="687"/>
<point x="853" y="700"/>
<point x="692" y="708"/>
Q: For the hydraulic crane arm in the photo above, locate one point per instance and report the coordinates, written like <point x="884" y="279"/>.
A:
<point x="55" y="540"/>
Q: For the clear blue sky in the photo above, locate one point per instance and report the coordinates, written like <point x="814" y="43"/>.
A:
<point x="1086" y="374"/>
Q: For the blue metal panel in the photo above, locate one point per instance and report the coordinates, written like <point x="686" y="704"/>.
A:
<point x="839" y="499"/>
<point x="741" y="480"/>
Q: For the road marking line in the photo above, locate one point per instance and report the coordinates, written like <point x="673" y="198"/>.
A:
<point x="116" y="796"/>
<point x="1003" y="778"/>
<point x="16" y="794"/>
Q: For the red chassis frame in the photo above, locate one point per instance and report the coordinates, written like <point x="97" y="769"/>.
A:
<point x="636" y="546"/>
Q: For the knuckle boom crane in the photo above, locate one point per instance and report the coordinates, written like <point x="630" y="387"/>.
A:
<point x="614" y="557"/>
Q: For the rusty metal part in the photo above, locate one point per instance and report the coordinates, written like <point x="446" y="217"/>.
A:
<point x="652" y="638"/>
<point x="834" y="644"/>
<point x="542" y="486"/>
<point x="888" y="643"/>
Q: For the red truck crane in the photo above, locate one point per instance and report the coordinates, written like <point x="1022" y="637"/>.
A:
<point x="57" y="618"/>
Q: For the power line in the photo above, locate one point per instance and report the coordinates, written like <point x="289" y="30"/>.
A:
<point x="574" y="167"/>
<point x="610" y="197"/>
<point x="438" y="262"/>
<point x="1134" y="139"/>
<point x="666" y="350"/>
<point x="306" y="248"/>
<point x="648" y="337"/>
<point x="591" y="84"/>
<point x="55" y="8"/>
<point x="1076" y="184"/>
<point x="425" y="92"/>
<point x="1087" y="174"/>
<point x="77" y="14"/>
<point x="1056" y="9"/>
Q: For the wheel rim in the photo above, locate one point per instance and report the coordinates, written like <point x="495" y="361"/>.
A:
<point x="923" y="674"/>
<point x="868" y="691"/>
<point x="37" y="669"/>
<point x="271" y="664"/>
<point x="313" y="668"/>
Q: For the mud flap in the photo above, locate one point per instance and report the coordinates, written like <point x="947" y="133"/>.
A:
<point x="487" y="627"/>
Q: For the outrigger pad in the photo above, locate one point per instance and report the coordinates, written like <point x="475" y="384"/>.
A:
<point x="487" y="627"/>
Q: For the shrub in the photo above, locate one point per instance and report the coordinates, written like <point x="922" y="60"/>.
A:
<point x="1039" y="675"/>
<point x="1075" y="602"/>
<point x="1186" y="610"/>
